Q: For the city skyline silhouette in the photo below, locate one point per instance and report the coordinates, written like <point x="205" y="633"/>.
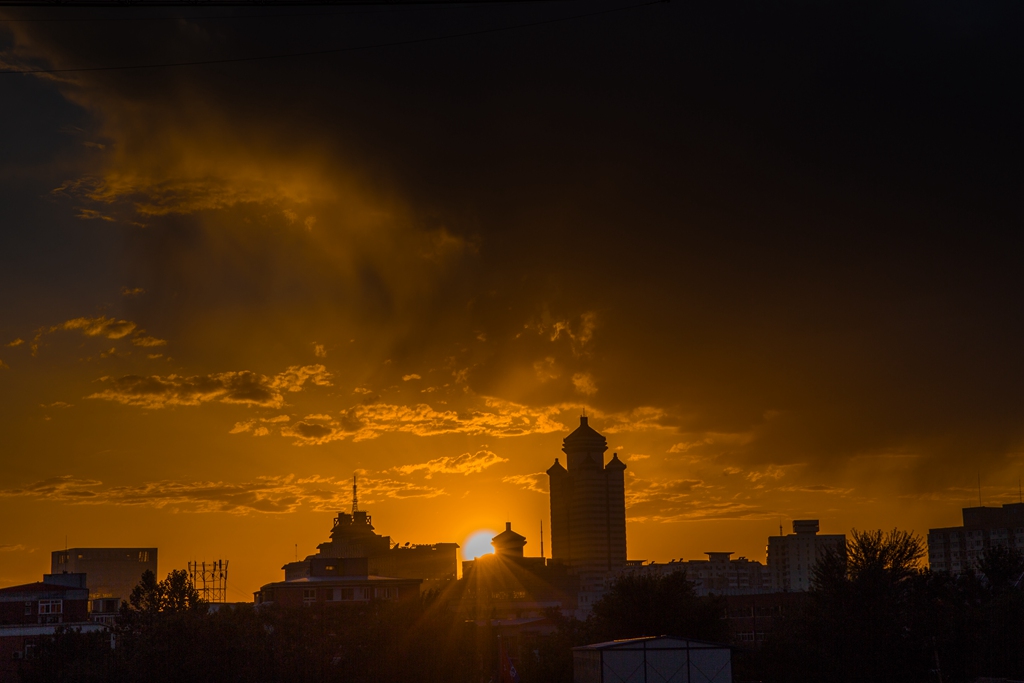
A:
<point x="771" y="252"/>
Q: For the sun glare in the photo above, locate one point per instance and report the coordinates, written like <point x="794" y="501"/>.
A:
<point x="479" y="543"/>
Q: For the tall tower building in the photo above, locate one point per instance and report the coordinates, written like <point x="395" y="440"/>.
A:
<point x="588" y="504"/>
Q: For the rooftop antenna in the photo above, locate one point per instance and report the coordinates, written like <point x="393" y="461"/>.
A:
<point x="296" y="552"/>
<point x="355" y="497"/>
<point x="542" y="539"/>
<point x="780" y="526"/>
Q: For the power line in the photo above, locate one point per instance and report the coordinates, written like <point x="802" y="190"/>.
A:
<point x="331" y="51"/>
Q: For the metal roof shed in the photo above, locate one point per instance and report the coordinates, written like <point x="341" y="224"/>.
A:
<point x="656" y="659"/>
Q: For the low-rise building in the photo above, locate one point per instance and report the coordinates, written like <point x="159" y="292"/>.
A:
<point x="33" y="611"/>
<point x="335" y="581"/>
<point x="791" y="558"/>
<point x="957" y="549"/>
<point x="751" y="618"/>
<point x="657" y="658"/>
<point x="720" y="574"/>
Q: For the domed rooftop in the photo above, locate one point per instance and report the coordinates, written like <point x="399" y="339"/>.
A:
<point x="585" y="439"/>
<point x="556" y="469"/>
<point x="585" y="447"/>
<point x="615" y="463"/>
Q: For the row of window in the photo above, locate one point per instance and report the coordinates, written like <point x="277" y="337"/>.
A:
<point x="45" y="607"/>
<point x="350" y="594"/>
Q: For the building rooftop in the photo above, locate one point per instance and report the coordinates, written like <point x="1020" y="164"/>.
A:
<point x="584" y="438"/>
<point x="654" y="643"/>
<point x="38" y="587"/>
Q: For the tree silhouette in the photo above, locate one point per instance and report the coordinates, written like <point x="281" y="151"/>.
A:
<point x="174" y="594"/>
<point x="645" y="605"/>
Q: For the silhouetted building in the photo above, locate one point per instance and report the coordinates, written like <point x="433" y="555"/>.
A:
<point x="656" y="658"/>
<point x="791" y="558"/>
<point x="588" y="504"/>
<point x="751" y="617"/>
<point x="353" y="536"/>
<point x="110" y="573"/>
<point x="717" y="575"/>
<point x="334" y="581"/>
<point x="956" y="549"/>
<point x="508" y="585"/>
<point x="34" y="611"/>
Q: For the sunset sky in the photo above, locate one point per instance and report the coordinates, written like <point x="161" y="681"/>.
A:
<point x="774" y="250"/>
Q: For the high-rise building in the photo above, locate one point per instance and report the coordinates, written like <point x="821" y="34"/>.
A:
<point x="588" y="504"/>
<point x="956" y="549"/>
<point x="791" y="558"/>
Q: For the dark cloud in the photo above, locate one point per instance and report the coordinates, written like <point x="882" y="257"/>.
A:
<point x="241" y="387"/>
<point x="772" y="237"/>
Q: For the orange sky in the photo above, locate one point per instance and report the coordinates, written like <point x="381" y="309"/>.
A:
<point x="760" y="268"/>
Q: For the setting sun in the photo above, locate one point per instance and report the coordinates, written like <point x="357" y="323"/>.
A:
<point x="477" y="544"/>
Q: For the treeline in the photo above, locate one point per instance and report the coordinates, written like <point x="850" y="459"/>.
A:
<point x="166" y="634"/>
<point x="874" y="615"/>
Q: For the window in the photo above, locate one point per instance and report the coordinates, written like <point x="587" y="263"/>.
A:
<point x="28" y="608"/>
<point x="308" y="596"/>
<point x="143" y="556"/>
<point x="51" y="606"/>
<point x="386" y="593"/>
<point x="346" y="594"/>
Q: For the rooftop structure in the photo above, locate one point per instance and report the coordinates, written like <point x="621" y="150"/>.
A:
<point x="655" y="658"/>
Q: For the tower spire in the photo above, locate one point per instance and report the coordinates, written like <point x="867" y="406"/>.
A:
<point x="355" y="496"/>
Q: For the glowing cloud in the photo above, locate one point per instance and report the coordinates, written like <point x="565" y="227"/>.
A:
<point x="467" y="463"/>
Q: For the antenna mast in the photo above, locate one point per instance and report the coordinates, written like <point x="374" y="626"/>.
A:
<point x="355" y="497"/>
<point x="542" y="539"/>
